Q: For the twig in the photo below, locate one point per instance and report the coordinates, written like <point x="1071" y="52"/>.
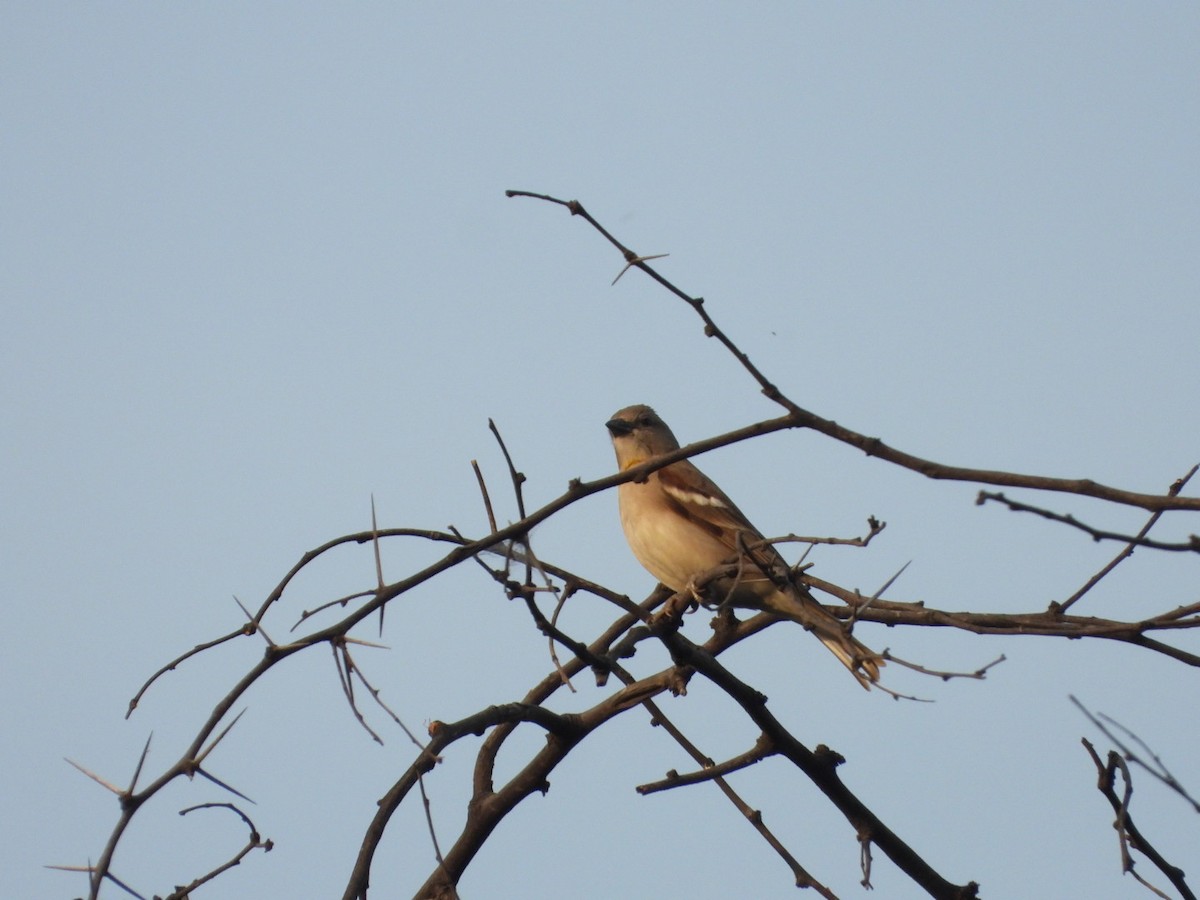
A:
<point x="181" y="658"/>
<point x="518" y="478"/>
<point x="1128" y="834"/>
<point x="345" y="668"/>
<point x="1035" y="623"/>
<point x="1173" y="491"/>
<point x="979" y="674"/>
<point x="756" y="754"/>
<point x="1191" y="545"/>
<point x="565" y="594"/>
<point x="306" y="614"/>
<point x="255" y="842"/>
<point x="437" y="850"/>
<point x="1158" y="770"/>
<point x="379" y="582"/>
<point x="874" y="527"/>
<point x="487" y="500"/>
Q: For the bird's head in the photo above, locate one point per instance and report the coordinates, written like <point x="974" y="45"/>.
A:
<point x="638" y="434"/>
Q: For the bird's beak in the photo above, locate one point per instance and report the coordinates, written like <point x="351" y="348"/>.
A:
<point x="618" y="427"/>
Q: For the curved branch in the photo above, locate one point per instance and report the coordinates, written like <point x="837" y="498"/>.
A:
<point x="798" y="417"/>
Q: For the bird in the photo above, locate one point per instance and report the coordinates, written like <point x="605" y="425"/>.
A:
<point x="680" y="525"/>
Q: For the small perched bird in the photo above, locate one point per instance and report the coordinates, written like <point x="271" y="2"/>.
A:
<point x="679" y="525"/>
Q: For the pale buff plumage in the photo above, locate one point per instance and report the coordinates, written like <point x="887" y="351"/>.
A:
<point x="680" y="525"/>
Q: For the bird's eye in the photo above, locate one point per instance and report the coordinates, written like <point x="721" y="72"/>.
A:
<point x="643" y="421"/>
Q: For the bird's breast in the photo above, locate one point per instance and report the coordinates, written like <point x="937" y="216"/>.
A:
<point x="670" y="546"/>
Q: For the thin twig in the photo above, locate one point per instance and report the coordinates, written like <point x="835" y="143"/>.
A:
<point x="1127" y="832"/>
<point x="379" y="582"/>
<point x="1191" y="545"/>
<point x="1158" y="770"/>
<point x="254" y="842"/>
<point x="1127" y="552"/>
<point x="437" y="850"/>
<point x="487" y="500"/>
<point x="874" y="527"/>
<point x="756" y="754"/>
<point x="979" y="674"/>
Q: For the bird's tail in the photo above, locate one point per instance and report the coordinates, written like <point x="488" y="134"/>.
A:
<point x="861" y="660"/>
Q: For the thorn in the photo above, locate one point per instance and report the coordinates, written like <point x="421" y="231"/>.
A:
<point x="636" y="261"/>
<point x="96" y="778"/>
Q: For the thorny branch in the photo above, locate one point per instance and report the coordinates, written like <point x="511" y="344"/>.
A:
<point x="608" y="655"/>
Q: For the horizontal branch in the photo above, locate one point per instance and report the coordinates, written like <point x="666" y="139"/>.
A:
<point x="1051" y="623"/>
<point x="1191" y="545"/>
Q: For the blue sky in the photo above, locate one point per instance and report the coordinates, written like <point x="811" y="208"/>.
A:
<point x="259" y="266"/>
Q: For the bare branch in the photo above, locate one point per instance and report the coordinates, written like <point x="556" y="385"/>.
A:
<point x="979" y="674"/>
<point x="874" y="527"/>
<point x="756" y="754"/>
<point x="1191" y="545"/>
<point x="1158" y="769"/>
<point x="1128" y="834"/>
<point x="1127" y="552"/>
<point x="1042" y="622"/>
<point x="254" y="842"/>
<point x="487" y="500"/>
<point x="379" y="581"/>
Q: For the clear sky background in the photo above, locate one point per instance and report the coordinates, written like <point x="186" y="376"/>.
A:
<point x="258" y="265"/>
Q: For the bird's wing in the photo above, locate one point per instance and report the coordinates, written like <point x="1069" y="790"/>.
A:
<point x="699" y="498"/>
